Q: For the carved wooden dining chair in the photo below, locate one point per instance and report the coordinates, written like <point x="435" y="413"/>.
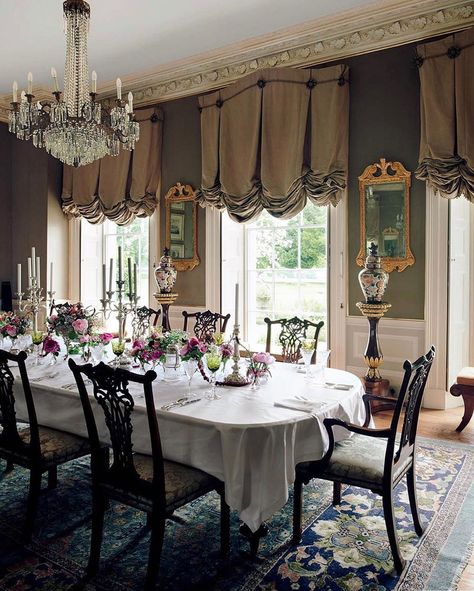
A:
<point x="376" y="459"/>
<point x="147" y="482"/>
<point x="143" y="319"/>
<point x="36" y="448"/>
<point x="206" y="323"/>
<point x="292" y="333"/>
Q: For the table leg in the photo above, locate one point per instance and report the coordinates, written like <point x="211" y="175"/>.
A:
<point x="468" y="410"/>
<point x="254" y="537"/>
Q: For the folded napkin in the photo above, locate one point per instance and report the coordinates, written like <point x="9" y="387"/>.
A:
<point x="304" y="405"/>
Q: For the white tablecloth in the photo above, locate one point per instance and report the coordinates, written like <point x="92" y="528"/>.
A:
<point x="242" y="439"/>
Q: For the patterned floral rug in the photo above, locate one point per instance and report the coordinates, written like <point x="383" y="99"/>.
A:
<point x="343" y="548"/>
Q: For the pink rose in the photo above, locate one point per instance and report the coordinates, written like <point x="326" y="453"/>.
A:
<point x="106" y="337"/>
<point x="50" y="346"/>
<point x="138" y="344"/>
<point x="84" y="339"/>
<point x="11" y="330"/>
<point x="80" y="325"/>
<point x="263" y="357"/>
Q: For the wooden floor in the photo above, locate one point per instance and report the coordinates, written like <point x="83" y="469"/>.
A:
<point x="441" y="424"/>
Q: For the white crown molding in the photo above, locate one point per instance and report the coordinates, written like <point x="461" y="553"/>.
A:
<point x="383" y="24"/>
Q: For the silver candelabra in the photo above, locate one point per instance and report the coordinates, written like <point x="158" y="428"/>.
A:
<point x="122" y="308"/>
<point x="235" y="378"/>
<point x="33" y="302"/>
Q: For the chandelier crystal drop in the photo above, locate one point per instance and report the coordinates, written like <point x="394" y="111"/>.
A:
<point x="76" y="129"/>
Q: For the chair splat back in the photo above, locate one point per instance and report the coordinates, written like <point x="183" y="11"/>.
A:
<point x="408" y="406"/>
<point x="206" y="323"/>
<point x="143" y="320"/>
<point x="9" y="437"/>
<point x="110" y="390"/>
<point x="292" y="333"/>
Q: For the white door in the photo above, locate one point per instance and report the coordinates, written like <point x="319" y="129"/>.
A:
<point x="459" y="287"/>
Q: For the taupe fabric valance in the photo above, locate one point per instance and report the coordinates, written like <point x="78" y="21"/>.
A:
<point x="447" y="114"/>
<point x="123" y="187"/>
<point x="273" y="140"/>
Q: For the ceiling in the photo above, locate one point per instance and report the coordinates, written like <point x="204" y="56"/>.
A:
<point x="131" y="36"/>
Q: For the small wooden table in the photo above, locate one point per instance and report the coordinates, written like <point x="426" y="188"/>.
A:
<point x="464" y="387"/>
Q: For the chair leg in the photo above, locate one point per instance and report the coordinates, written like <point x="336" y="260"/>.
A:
<point x="389" y="514"/>
<point x="297" y="510"/>
<point x="156" y="544"/>
<point x="411" y="485"/>
<point x="99" y="503"/>
<point x="52" y="478"/>
<point x="336" y="493"/>
<point x="225" y="527"/>
<point x="32" y="505"/>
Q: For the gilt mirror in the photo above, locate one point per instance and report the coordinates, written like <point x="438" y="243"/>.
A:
<point x="384" y="189"/>
<point x="181" y="226"/>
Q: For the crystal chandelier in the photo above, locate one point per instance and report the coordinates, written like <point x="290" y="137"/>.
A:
<point x="75" y="129"/>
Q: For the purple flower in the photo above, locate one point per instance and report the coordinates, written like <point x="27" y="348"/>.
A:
<point x="50" y="346"/>
<point x="263" y="357"/>
<point x="106" y="337"/>
<point x="11" y="330"/>
<point x="226" y="350"/>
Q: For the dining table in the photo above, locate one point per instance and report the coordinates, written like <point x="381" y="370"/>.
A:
<point x="251" y="439"/>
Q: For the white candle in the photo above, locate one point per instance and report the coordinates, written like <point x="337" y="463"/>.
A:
<point x="15" y="91"/>
<point x="130" y="101"/>
<point x="111" y="272"/>
<point x="33" y="261"/>
<point x="130" y="285"/>
<point x="51" y="277"/>
<point x="119" y="89"/>
<point x="23" y="96"/>
<point x="30" y="83"/>
<point x="54" y="76"/>
<point x="18" y="280"/>
<point x="38" y="272"/>
<point x="236" y="320"/>
<point x="94" y="81"/>
<point x="104" y="274"/>
<point x="135" y="278"/>
<point x="120" y="263"/>
<point x="29" y="271"/>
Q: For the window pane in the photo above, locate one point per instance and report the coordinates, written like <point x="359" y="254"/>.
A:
<point x="314" y="215"/>
<point x="313" y="248"/>
<point x="286" y="248"/>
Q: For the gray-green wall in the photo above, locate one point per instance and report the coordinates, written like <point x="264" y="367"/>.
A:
<point x="385" y="122"/>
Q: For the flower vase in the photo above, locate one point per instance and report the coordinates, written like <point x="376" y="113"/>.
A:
<point x="255" y="382"/>
<point x="67" y="343"/>
<point x="53" y="359"/>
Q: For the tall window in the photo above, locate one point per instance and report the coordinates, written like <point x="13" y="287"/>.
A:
<point x="284" y="271"/>
<point x="99" y="243"/>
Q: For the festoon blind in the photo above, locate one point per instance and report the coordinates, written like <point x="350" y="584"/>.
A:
<point x="122" y="187"/>
<point x="275" y="139"/>
<point x="446" y="159"/>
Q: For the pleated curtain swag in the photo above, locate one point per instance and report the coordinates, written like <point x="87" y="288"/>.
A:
<point x="446" y="159"/>
<point x="123" y="187"/>
<point x="275" y="139"/>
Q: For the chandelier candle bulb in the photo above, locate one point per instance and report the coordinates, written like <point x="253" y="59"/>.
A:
<point x="15" y="91"/>
<point x="54" y="76"/>
<point x="23" y="96"/>
<point x="30" y="83"/>
<point x="18" y="279"/>
<point x="130" y="102"/>
<point x="119" y="89"/>
<point x="94" y="81"/>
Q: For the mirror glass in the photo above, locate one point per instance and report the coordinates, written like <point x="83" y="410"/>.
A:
<point x="384" y="189"/>
<point x="181" y="226"/>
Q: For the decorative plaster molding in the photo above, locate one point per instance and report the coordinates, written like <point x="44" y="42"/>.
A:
<point x="383" y="24"/>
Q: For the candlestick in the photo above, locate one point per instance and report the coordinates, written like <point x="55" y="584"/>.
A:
<point x="236" y="317"/>
<point x="94" y="81"/>
<point x="33" y="261"/>
<point x="111" y="270"/>
<point x="15" y="91"/>
<point x="104" y="275"/>
<point x="18" y="280"/>
<point x="30" y="83"/>
<point x="38" y="272"/>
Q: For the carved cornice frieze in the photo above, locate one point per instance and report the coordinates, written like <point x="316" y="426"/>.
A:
<point x="365" y="29"/>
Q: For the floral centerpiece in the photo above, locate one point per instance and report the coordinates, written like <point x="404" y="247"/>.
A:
<point x="148" y="350"/>
<point x="13" y="325"/>
<point x="259" y="366"/>
<point x="51" y="347"/>
<point x="72" y="322"/>
<point x="193" y="349"/>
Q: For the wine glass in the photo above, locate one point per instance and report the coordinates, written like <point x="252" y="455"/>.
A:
<point x="322" y="356"/>
<point x="190" y="368"/>
<point x="97" y="352"/>
<point x="118" y="347"/>
<point x="37" y="338"/>
<point x="307" y="350"/>
<point x="213" y="362"/>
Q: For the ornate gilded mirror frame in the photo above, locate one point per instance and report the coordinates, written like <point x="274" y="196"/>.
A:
<point x="176" y="200"/>
<point x="398" y="228"/>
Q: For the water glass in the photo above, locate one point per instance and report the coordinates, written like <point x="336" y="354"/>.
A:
<point x="307" y="351"/>
<point x="322" y="356"/>
<point x="190" y="367"/>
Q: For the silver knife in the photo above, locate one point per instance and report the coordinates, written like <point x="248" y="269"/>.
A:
<point x="184" y="403"/>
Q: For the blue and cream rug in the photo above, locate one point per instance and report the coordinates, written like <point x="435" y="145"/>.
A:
<point x="343" y="548"/>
